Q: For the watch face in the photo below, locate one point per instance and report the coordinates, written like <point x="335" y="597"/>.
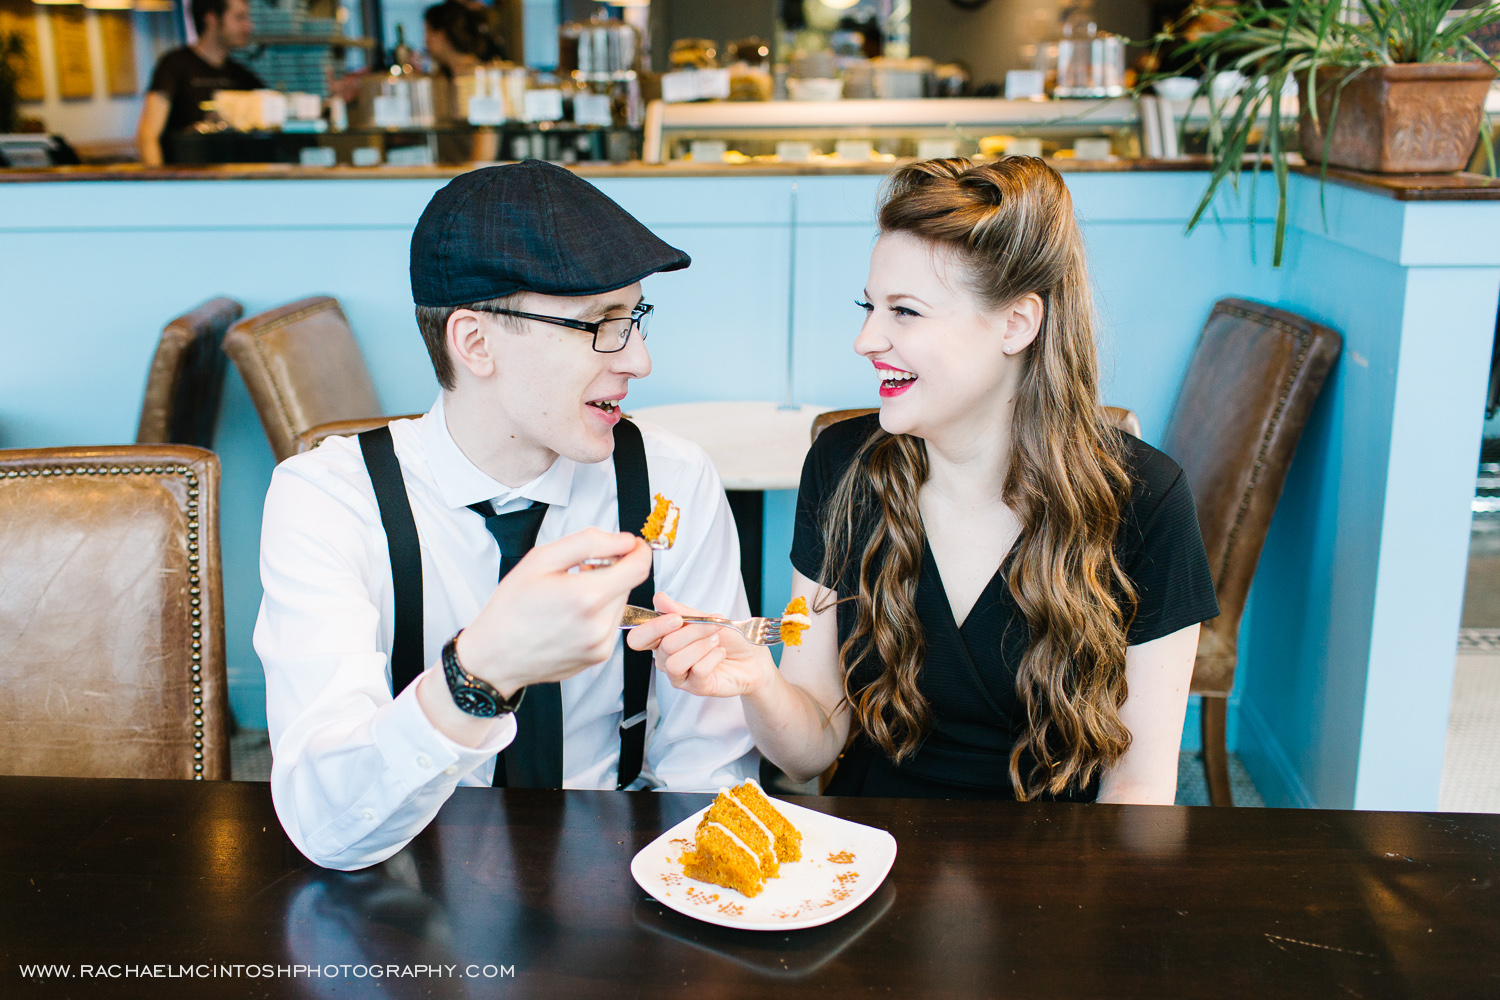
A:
<point x="476" y="702"/>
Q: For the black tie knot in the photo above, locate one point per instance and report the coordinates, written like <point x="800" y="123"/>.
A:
<point x="515" y="532"/>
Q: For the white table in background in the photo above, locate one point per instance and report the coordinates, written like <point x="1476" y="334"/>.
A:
<point x="756" y="446"/>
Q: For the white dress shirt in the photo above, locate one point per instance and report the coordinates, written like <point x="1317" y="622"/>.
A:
<point x="357" y="774"/>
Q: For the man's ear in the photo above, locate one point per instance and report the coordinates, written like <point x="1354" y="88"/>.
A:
<point x="468" y="344"/>
<point x="1023" y="321"/>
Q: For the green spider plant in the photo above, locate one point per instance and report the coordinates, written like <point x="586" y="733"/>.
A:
<point x="1274" y="45"/>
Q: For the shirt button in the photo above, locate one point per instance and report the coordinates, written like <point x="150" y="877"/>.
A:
<point x="423" y="760"/>
<point x="450" y="770"/>
<point x="368" y="814"/>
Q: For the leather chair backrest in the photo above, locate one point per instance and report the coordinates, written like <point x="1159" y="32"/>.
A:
<point x="312" y="437"/>
<point x="111" y="613"/>
<point x="1122" y="418"/>
<point x="303" y="368"/>
<point x="1248" y="393"/>
<point x="186" y="378"/>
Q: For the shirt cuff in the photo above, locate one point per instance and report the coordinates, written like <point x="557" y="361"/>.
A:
<point x="419" y="754"/>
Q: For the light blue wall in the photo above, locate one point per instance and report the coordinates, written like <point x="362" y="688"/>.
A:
<point x="1348" y="655"/>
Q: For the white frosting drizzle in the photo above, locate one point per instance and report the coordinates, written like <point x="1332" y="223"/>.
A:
<point x="734" y="837"/>
<point x="796" y="619"/>
<point x="770" y="837"/>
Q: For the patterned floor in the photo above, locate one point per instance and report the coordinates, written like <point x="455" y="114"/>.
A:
<point x="250" y="760"/>
<point x="1471" y="766"/>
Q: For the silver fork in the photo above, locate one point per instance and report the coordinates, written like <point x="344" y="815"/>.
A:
<point x="760" y="631"/>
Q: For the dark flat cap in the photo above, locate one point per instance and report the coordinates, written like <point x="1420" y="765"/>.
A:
<point x="529" y="226"/>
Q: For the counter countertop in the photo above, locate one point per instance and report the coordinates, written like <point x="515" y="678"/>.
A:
<point x="1402" y="187"/>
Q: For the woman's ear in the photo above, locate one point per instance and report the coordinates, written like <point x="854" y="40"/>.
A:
<point x="468" y="344"/>
<point x="1023" y="321"/>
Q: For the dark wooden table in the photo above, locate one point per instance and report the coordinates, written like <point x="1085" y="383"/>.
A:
<point x="1001" y="900"/>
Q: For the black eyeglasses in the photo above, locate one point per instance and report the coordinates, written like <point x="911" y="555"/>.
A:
<point x="610" y="335"/>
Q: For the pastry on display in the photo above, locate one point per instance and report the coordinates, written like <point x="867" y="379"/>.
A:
<point x="660" y="529"/>
<point x="742" y="841"/>
<point x="795" y="620"/>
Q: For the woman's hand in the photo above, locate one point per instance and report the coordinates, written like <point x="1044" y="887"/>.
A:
<point x="705" y="660"/>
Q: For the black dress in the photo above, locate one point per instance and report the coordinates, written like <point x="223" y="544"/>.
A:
<point x="969" y="676"/>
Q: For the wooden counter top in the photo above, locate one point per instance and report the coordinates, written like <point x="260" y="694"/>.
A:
<point x="1402" y="187"/>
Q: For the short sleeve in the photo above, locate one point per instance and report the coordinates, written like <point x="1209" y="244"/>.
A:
<point x="824" y="467"/>
<point x="245" y="77"/>
<point x="807" y="536"/>
<point x="1169" y="567"/>
<point x="164" y="76"/>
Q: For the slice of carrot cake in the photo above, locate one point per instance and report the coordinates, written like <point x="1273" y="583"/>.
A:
<point x="795" y="620"/>
<point x="660" y="529"/>
<point x="742" y="841"/>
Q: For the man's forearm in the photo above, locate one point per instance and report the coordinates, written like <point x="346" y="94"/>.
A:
<point x="148" y="147"/>
<point x="351" y="791"/>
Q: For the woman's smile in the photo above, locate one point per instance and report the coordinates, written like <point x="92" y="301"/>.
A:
<point x="893" y="381"/>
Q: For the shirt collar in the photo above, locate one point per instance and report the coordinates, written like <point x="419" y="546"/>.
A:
<point x="461" y="483"/>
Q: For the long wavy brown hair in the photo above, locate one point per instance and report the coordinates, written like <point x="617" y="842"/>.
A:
<point x="1011" y="226"/>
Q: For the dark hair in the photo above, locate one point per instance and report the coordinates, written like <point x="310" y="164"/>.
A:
<point x="467" y="29"/>
<point x="433" y="322"/>
<point x="200" y="10"/>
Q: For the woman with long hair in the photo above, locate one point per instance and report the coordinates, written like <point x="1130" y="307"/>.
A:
<point x="1005" y="590"/>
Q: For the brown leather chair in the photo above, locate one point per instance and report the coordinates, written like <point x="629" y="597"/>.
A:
<point x="111" y="615"/>
<point x="303" y="368"/>
<point x="313" y="436"/>
<point x="186" y="378"/>
<point x="1122" y="418"/>
<point x="1248" y="393"/>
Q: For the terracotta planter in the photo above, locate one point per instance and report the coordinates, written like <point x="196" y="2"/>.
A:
<point x="1415" y="118"/>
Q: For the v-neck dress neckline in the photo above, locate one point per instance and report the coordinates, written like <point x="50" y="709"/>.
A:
<point x="968" y="672"/>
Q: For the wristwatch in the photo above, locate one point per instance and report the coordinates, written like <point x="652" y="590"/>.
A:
<point x="472" y="694"/>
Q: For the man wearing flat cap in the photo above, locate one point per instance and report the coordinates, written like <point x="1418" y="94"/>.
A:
<point x="396" y="667"/>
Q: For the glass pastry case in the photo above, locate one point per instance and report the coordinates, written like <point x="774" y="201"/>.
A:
<point x="789" y="131"/>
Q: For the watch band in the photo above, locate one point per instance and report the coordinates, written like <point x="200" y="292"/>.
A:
<point x="471" y="694"/>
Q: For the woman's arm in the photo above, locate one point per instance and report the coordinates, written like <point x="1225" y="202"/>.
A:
<point x="791" y="711"/>
<point x="1157" y="674"/>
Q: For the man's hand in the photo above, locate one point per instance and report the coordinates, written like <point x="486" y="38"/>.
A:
<point x="544" y="623"/>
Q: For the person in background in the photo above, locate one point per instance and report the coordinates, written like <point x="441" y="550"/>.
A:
<point x="186" y="77"/>
<point x="459" y="40"/>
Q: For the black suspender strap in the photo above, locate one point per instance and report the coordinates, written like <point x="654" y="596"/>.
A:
<point x="406" y="555"/>
<point x="633" y="487"/>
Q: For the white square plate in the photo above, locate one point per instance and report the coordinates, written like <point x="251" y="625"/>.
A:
<point x="842" y="865"/>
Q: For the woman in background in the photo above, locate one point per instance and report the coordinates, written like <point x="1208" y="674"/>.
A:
<point x="1005" y="589"/>
<point x="458" y="37"/>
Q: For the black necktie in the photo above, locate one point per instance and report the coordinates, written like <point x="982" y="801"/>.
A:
<point x="535" y="759"/>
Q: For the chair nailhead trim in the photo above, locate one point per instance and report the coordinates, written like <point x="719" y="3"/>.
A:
<point x="196" y="604"/>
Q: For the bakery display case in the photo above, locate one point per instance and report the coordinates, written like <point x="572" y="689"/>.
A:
<point x="792" y="130"/>
<point x="844" y="130"/>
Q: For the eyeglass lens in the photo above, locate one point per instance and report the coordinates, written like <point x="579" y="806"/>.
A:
<point x="615" y="333"/>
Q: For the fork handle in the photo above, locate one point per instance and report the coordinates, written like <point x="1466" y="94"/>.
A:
<point x="639" y="616"/>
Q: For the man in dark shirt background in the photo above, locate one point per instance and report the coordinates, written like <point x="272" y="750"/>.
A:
<point x="186" y="77"/>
